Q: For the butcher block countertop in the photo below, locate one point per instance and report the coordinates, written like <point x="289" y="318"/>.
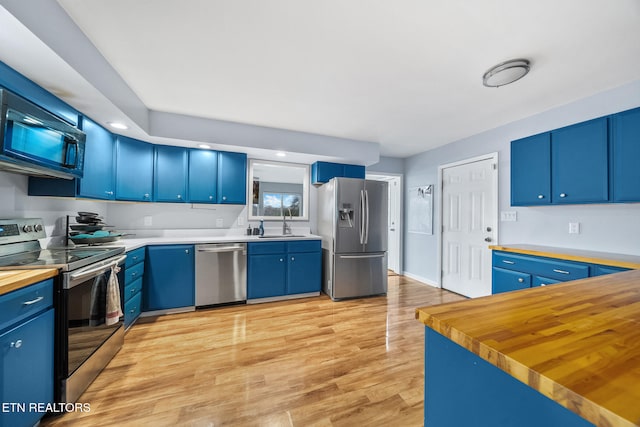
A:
<point x="12" y="280"/>
<point x="577" y="343"/>
<point x="606" y="258"/>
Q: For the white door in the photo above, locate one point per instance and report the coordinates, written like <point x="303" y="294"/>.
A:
<point x="469" y="224"/>
<point x="394" y="225"/>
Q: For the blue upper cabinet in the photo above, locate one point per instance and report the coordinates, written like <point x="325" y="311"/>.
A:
<point x="232" y="178"/>
<point x="16" y="82"/>
<point x="626" y="154"/>
<point x="170" y="177"/>
<point x="531" y="170"/>
<point x="134" y="170"/>
<point x="580" y="163"/>
<point x="98" y="181"/>
<point x="322" y="172"/>
<point x="203" y="176"/>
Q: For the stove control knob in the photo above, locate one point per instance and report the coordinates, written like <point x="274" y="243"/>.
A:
<point x="27" y="228"/>
<point x="37" y="227"/>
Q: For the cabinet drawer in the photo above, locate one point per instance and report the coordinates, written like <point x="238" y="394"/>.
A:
<point x="544" y="281"/>
<point x="266" y="248"/>
<point x="22" y="303"/>
<point x="560" y="270"/>
<point x="601" y="270"/>
<point x="132" y="309"/>
<point x="304" y="246"/>
<point x="134" y="257"/>
<point x="132" y="289"/>
<point x="507" y="280"/>
<point x="133" y="273"/>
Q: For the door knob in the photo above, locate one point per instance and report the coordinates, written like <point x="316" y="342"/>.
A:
<point x="487" y="239"/>
<point x="488" y="228"/>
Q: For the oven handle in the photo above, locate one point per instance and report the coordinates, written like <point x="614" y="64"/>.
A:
<point x="91" y="270"/>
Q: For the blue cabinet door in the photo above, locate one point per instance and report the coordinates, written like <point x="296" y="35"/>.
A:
<point x="203" y="176"/>
<point x="27" y="368"/>
<point x="169" y="277"/>
<point x="134" y="170"/>
<point x="266" y="275"/>
<point x="232" y="178"/>
<point x="98" y="181"/>
<point x="322" y="172"/>
<point x="170" y="174"/>
<point x="303" y="272"/>
<point x="531" y="170"/>
<point x="354" y="171"/>
<point x="580" y="163"/>
<point x="626" y="153"/>
<point x="507" y="280"/>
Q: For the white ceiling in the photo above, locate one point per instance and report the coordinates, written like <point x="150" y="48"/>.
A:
<point x="406" y="74"/>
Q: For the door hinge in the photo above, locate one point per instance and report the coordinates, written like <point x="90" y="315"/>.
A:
<point x="495" y="166"/>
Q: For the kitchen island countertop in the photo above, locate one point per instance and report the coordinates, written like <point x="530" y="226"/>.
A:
<point x="11" y="280"/>
<point x="577" y="343"/>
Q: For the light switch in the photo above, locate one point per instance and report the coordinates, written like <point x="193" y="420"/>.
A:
<point x="574" y="228"/>
<point x="508" y="216"/>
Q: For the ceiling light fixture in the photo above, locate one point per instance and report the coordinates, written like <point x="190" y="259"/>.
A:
<point x="118" y="125"/>
<point x="506" y="72"/>
<point x="206" y="146"/>
<point x="281" y="154"/>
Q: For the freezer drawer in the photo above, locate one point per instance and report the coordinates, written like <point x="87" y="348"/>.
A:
<point x="358" y="275"/>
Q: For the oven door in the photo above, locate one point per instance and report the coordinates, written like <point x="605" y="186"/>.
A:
<point x="85" y="342"/>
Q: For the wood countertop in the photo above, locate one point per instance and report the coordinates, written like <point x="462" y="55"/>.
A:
<point x="594" y="257"/>
<point x="16" y="279"/>
<point x="577" y="343"/>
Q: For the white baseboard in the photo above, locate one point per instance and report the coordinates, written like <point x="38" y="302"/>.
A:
<point x="421" y="279"/>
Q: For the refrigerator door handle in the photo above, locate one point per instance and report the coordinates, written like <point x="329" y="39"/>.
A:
<point x="361" y="256"/>
<point x="366" y="229"/>
<point x="361" y="217"/>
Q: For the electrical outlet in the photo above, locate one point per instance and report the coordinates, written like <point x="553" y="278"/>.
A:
<point x="240" y="220"/>
<point x="508" y="216"/>
<point x="148" y="221"/>
<point x="574" y="228"/>
<point x="219" y="223"/>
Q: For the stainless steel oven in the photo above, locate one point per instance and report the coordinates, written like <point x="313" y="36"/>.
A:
<point x="86" y="343"/>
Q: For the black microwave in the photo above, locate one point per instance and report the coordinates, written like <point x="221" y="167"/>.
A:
<point x="36" y="142"/>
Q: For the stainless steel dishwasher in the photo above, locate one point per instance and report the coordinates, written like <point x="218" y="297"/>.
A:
<point x="221" y="273"/>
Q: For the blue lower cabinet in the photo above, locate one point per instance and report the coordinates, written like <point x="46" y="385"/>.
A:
<point x="507" y="280"/>
<point x="601" y="270"/>
<point x="132" y="309"/>
<point x="133" y="283"/>
<point x="169" y="277"/>
<point x="26" y="370"/>
<point x="283" y="268"/>
<point x="266" y="275"/>
<point x="544" y="281"/>
<point x="456" y="378"/>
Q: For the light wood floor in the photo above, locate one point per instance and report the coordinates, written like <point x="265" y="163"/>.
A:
<point x="310" y="362"/>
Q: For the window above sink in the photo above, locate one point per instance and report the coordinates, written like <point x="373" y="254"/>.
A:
<point x="277" y="188"/>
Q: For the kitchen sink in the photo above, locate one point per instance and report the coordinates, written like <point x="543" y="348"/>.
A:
<point x="281" y="236"/>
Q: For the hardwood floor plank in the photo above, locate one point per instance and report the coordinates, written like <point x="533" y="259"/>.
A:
<point x="309" y="362"/>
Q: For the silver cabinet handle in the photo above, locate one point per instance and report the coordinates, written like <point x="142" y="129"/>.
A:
<point x="134" y="274"/>
<point x="179" y="196"/>
<point x="508" y="262"/>
<point x="281" y="260"/>
<point x="561" y="271"/>
<point x="146" y="195"/>
<point x="109" y="193"/>
<point x="563" y="195"/>
<point x="16" y="344"/>
<point x="293" y="258"/>
<point x="520" y="279"/>
<point x="186" y="251"/>
<point x="543" y="284"/>
<point x="210" y="197"/>
<point x="224" y="197"/>
<point x="33" y="301"/>
<point x="540" y="196"/>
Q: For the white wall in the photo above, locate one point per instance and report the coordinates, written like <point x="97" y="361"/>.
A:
<point x="606" y="228"/>
<point x="14" y="203"/>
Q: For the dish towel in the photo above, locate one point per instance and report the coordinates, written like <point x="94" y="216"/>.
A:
<point x="114" y="309"/>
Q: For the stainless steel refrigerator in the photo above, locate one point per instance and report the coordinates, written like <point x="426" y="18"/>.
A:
<point x="352" y="220"/>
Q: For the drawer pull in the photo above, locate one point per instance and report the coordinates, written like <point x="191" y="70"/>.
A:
<point x="16" y="344"/>
<point x="33" y="301"/>
<point x="520" y="280"/>
<point x="508" y="262"/>
<point x="561" y="271"/>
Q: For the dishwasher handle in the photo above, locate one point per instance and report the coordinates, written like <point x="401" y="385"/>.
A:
<point x="220" y="249"/>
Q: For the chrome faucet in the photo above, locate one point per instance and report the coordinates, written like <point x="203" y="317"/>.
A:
<point x="286" y="228"/>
